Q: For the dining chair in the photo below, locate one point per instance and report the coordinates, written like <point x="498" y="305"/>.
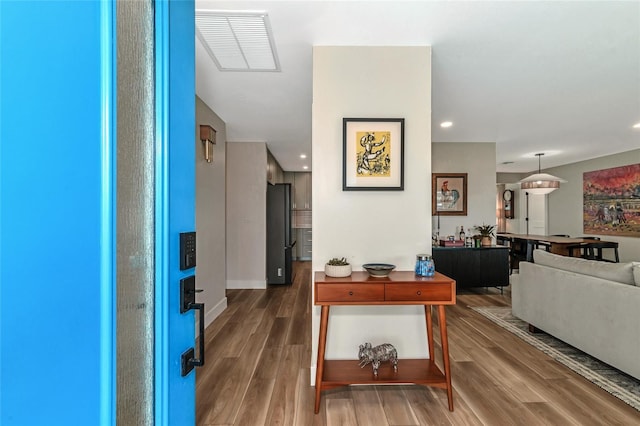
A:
<point x="594" y="250"/>
<point x="521" y="251"/>
<point x="517" y="253"/>
<point x="503" y="241"/>
<point x="546" y="245"/>
<point x="590" y="250"/>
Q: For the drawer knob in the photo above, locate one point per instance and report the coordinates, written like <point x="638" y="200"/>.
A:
<point x="350" y="293"/>
<point x="419" y="293"/>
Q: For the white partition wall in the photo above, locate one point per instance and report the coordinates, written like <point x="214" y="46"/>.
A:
<point x="371" y="226"/>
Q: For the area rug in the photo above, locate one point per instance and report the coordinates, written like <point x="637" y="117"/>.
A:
<point x="618" y="384"/>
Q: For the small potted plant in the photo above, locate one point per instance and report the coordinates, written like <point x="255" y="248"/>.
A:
<point x="337" y="268"/>
<point x="487" y="232"/>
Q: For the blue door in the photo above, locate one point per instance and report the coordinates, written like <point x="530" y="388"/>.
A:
<point x="58" y="204"/>
<point x="175" y="213"/>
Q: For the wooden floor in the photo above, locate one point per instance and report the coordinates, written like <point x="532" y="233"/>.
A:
<point x="259" y="351"/>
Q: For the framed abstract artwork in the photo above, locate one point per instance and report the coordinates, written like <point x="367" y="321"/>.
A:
<point x="611" y="201"/>
<point x="373" y="154"/>
<point x="449" y="194"/>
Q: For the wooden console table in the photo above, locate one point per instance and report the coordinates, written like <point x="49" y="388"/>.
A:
<point x="399" y="288"/>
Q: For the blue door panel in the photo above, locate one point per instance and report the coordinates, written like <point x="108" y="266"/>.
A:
<point x="57" y="288"/>
<point x="56" y="325"/>
<point x="175" y="110"/>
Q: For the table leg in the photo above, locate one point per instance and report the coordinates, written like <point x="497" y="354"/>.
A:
<point x="427" y="314"/>
<point x="442" y="320"/>
<point x="322" y="344"/>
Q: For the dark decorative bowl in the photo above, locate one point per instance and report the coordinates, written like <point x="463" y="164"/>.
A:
<point x="379" y="269"/>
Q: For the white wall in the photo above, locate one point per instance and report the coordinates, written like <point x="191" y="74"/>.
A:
<point x="210" y="216"/>
<point x="565" y="204"/>
<point x="478" y="160"/>
<point x="371" y="226"/>
<point x="246" y="215"/>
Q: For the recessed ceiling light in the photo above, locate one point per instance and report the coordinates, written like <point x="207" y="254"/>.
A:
<point x="303" y="155"/>
<point x="636" y="126"/>
<point x="446" y="124"/>
<point x="305" y="167"/>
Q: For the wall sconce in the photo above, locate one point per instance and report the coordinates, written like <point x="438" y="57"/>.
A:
<point x="208" y="138"/>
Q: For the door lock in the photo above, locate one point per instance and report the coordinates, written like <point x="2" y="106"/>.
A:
<point x="188" y="292"/>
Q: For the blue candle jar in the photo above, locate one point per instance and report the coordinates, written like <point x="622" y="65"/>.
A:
<point x="425" y="267"/>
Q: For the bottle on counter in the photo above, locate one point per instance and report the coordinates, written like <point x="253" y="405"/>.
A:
<point x="462" y="234"/>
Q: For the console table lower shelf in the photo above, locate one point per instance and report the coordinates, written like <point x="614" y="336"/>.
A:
<point x="400" y="288"/>
<point x="410" y="371"/>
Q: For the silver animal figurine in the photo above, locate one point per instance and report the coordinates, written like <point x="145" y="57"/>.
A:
<point x="375" y="355"/>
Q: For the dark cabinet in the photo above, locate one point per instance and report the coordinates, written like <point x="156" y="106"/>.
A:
<point x="279" y="241"/>
<point x="474" y="267"/>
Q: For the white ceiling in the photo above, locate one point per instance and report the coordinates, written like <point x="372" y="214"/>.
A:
<point x="562" y="78"/>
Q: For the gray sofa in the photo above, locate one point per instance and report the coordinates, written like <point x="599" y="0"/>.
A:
<point x="593" y="306"/>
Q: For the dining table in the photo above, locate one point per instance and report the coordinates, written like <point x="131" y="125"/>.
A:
<point x="557" y="244"/>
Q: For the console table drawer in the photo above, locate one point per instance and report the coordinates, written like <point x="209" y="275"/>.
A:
<point x="432" y="292"/>
<point x="350" y="293"/>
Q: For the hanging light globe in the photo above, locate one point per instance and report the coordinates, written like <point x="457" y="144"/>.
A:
<point x="540" y="183"/>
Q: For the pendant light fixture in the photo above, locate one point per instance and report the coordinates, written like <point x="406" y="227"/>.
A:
<point x="540" y="183"/>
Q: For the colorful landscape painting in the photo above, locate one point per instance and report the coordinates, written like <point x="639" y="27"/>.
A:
<point x="612" y="201"/>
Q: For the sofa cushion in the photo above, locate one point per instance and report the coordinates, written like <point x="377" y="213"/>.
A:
<point x="619" y="272"/>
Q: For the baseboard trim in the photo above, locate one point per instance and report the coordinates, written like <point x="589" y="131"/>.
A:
<point x="211" y="314"/>
<point x="215" y="312"/>
<point x="312" y="371"/>
<point x="246" y="284"/>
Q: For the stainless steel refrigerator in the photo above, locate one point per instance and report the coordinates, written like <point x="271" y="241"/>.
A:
<point x="279" y="237"/>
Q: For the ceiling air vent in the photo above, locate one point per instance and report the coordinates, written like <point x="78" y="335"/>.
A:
<point x="237" y="41"/>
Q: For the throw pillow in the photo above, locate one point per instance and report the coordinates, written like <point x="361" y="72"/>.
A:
<point x="619" y="272"/>
<point x="636" y="272"/>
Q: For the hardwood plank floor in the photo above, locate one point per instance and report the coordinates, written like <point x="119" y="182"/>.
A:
<point x="259" y="352"/>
